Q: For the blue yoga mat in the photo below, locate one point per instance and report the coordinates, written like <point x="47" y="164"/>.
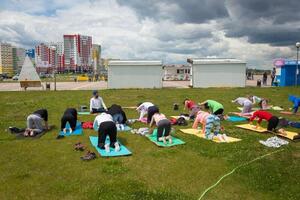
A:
<point x="123" y="150"/>
<point x="236" y="119"/>
<point x="77" y="131"/>
<point x="126" y="128"/>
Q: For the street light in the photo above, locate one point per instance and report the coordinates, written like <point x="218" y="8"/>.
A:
<point x="296" y="76"/>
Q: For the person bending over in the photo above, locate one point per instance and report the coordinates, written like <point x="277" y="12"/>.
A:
<point x="261" y="102"/>
<point x="97" y="104"/>
<point x="147" y="108"/>
<point x="211" y="125"/>
<point x="163" y="127"/>
<point x="272" y="120"/>
<point x="192" y="107"/>
<point x="35" y="123"/>
<point x="70" y="115"/>
<point x="214" y="107"/>
<point x="246" y="103"/>
<point x="296" y="101"/>
<point x="117" y="113"/>
<point x="107" y="127"/>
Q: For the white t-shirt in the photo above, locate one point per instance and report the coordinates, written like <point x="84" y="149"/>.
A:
<point x="96" y="103"/>
<point x="144" y="106"/>
<point x="103" y="117"/>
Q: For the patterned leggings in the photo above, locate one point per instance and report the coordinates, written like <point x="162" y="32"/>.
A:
<point x="212" y="127"/>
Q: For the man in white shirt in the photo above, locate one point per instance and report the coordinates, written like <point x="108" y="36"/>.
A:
<point x="97" y="104"/>
<point x="106" y="127"/>
<point x="147" y="108"/>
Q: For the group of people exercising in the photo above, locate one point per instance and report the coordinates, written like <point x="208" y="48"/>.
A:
<point x="208" y="113"/>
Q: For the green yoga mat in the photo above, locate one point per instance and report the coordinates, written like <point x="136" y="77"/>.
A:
<point x="153" y="138"/>
<point x="84" y="113"/>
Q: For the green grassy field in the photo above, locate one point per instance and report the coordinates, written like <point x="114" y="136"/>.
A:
<point x="48" y="168"/>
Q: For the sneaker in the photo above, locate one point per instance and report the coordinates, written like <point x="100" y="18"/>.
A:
<point x="88" y="156"/>
<point x="32" y="134"/>
<point x="162" y="139"/>
<point x="26" y="132"/>
<point x="79" y="147"/>
<point x="107" y="148"/>
<point x="117" y="147"/>
<point x="170" y="139"/>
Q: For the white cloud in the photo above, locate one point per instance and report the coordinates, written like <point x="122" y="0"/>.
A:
<point x="123" y="34"/>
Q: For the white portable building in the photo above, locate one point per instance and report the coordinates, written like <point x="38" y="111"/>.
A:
<point x="217" y="72"/>
<point x="135" y="74"/>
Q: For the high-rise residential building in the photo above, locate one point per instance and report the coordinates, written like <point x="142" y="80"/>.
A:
<point x="59" y="55"/>
<point x="85" y="51"/>
<point x="42" y="55"/>
<point x="18" y="58"/>
<point x="77" y="52"/>
<point x="6" y="59"/>
<point x="96" y="57"/>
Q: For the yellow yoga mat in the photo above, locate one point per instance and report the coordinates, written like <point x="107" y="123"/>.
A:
<point x="290" y="135"/>
<point x="252" y="128"/>
<point x="129" y="107"/>
<point x="199" y="133"/>
<point x="289" y="113"/>
<point x="175" y="117"/>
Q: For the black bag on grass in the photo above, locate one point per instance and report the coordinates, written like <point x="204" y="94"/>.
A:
<point x="181" y="121"/>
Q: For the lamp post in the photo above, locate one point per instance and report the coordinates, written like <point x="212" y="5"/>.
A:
<point x="297" y="72"/>
<point x="54" y="76"/>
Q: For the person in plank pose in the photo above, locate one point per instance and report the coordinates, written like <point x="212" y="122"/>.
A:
<point x="296" y="101"/>
<point x="97" y="104"/>
<point x="147" y="108"/>
<point x="106" y="127"/>
<point x="214" y="107"/>
<point x="70" y="115"/>
<point x="118" y="115"/>
<point x="261" y="102"/>
<point x="35" y="123"/>
<point x="163" y="127"/>
<point x="211" y="126"/>
<point x="272" y="120"/>
<point x="246" y="103"/>
<point x="192" y="107"/>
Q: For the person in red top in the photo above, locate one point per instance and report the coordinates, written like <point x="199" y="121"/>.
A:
<point x="261" y="114"/>
<point x="192" y="107"/>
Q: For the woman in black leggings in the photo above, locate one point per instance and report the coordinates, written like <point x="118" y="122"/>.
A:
<point x="70" y="115"/>
<point x="107" y="127"/>
<point x="163" y="127"/>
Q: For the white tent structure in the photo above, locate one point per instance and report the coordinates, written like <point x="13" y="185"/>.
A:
<point x="135" y="74"/>
<point x="217" y="72"/>
<point x="28" y="76"/>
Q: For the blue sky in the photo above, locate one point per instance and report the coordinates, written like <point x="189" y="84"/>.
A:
<point x="169" y="30"/>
